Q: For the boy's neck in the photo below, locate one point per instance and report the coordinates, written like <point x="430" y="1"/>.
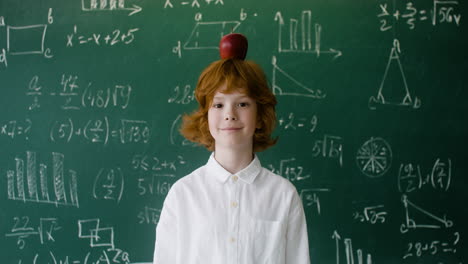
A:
<point x="233" y="160"/>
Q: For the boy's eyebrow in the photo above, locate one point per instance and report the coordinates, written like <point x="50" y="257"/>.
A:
<point x="237" y="97"/>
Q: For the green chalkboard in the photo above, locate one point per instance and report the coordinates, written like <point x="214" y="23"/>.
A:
<point x="372" y="122"/>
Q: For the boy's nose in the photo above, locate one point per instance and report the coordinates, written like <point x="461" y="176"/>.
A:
<point x="230" y="117"/>
<point x="230" y="114"/>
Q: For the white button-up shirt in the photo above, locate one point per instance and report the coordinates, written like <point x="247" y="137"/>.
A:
<point x="214" y="217"/>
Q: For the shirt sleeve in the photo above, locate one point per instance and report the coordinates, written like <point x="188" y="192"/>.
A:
<point x="165" y="250"/>
<point x="297" y="244"/>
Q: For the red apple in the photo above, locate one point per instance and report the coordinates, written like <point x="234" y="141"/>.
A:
<point x="233" y="45"/>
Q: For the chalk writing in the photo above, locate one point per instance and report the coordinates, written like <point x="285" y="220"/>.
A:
<point x="149" y="163"/>
<point x="109" y="184"/>
<point x="22" y="230"/>
<point x="175" y="137"/>
<point x="293" y="123"/>
<point x="3" y="57"/>
<point x="330" y="147"/>
<point x="435" y="247"/>
<point x="117" y="96"/>
<point x="311" y="197"/>
<point x="185" y="96"/>
<point x="290" y="172"/>
<point x="105" y="256"/>
<point x="99" y="131"/>
<point x="15" y="128"/>
<point x="411" y="179"/>
<point x="153" y="185"/>
<point x="149" y="216"/>
<point x="155" y="175"/>
<point x="107" y="92"/>
<point x="115" y="37"/>
<point x="371" y="214"/>
<point x="192" y="3"/>
<point x="442" y="11"/>
<point x="75" y="97"/>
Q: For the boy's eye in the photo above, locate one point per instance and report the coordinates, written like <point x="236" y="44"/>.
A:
<point x="217" y="105"/>
<point x="243" y="104"/>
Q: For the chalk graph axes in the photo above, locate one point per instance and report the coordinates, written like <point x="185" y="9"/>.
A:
<point x="349" y="252"/>
<point x="305" y="36"/>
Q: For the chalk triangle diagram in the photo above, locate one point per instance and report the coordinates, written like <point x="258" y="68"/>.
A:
<point x="285" y="84"/>
<point x="417" y="217"/>
<point x="206" y="35"/>
<point x="393" y="89"/>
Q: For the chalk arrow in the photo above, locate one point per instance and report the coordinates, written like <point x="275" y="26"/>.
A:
<point x="338" y="53"/>
<point x="337" y="238"/>
<point x="135" y="9"/>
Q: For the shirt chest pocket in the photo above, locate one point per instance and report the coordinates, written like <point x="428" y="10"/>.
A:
<point x="266" y="240"/>
<point x="266" y="227"/>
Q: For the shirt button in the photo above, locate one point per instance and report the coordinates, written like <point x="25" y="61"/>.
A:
<point x="234" y="204"/>
<point x="232" y="240"/>
<point x="235" y="178"/>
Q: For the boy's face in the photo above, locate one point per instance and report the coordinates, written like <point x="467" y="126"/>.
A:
<point x="232" y="120"/>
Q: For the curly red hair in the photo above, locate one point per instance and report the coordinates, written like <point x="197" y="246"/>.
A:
<point x="238" y="75"/>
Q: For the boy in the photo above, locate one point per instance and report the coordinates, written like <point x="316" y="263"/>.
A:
<point x="232" y="210"/>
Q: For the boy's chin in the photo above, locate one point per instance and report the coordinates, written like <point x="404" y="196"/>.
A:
<point x="234" y="145"/>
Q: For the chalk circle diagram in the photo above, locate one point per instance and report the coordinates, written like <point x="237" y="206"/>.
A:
<point x="374" y="157"/>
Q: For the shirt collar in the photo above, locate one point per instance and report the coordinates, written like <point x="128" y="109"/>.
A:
<point x="248" y="174"/>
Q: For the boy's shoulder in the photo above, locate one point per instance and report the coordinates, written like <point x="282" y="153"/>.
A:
<point x="265" y="179"/>
<point x="190" y="179"/>
<point x="280" y="182"/>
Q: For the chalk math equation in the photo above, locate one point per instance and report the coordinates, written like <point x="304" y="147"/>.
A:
<point x="95" y="92"/>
